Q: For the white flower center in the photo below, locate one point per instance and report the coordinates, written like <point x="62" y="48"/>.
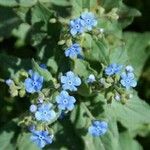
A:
<point x="65" y="101"/>
<point x="69" y="82"/>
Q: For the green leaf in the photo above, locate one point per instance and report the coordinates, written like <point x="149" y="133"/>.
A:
<point x="127" y="14"/>
<point x="24" y="142"/>
<point x="120" y="53"/>
<point x="82" y="68"/>
<point x="85" y="90"/>
<point x="81" y="118"/>
<point x="9" y="3"/>
<point x="53" y="65"/>
<point x="8" y="135"/>
<point x="80" y="5"/>
<point x="23" y="3"/>
<point x="126" y="142"/>
<point x="96" y="50"/>
<point x="8" y="21"/>
<point x="21" y="33"/>
<point x="132" y="115"/>
<point x="109" y="4"/>
<point x="5" y="140"/>
<point x="40" y="13"/>
<point x="43" y="72"/>
<point x="60" y="2"/>
<point x="138" y="49"/>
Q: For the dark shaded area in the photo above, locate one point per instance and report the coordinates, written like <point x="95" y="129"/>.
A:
<point x="142" y="24"/>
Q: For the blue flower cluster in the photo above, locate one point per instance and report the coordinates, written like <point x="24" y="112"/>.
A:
<point x="85" y="22"/>
<point x="98" y="128"/>
<point x="113" y="69"/>
<point x="69" y="82"/>
<point x="127" y="77"/>
<point x="43" y="111"/>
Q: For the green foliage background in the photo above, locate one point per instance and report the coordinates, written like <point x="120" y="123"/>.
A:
<point x="26" y="33"/>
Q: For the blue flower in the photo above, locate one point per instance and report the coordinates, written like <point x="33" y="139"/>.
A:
<point x="9" y="82"/>
<point x="73" y="50"/>
<point x="128" y="80"/>
<point x="76" y="26"/>
<point x="33" y="108"/>
<point x="91" y="78"/>
<point x="98" y="128"/>
<point x="129" y="68"/>
<point x="45" y="112"/>
<point x="34" y="83"/>
<point x="113" y="69"/>
<point x="70" y="81"/>
<point x="89" y="20"/>
<point x="65" y="101"/>
<point x="41" y="138"/>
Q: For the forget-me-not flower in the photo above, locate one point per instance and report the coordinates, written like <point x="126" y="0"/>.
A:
<point x="128" y="80"/>
<point x="65" y="101"/>
<point x="73" y="50"/>
<point x="129" y="68"/>
<point x="45" y="112"/>
<point x="113" y="69"/>
<point x="34" y="83"/>
<point x="89" y="20"/>
<point x="98" y="128"/>
<point x="41" y="138"/>
<point x="70" y="81"/>
<point x="33" y="108"/>
<point x="9" y="82"/>
<point x="91" y="78"/>
<point x="76" y="26"/>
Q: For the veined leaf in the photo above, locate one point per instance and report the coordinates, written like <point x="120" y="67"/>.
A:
<point x="138" y="49"/>
<point x="132" y="115"/>
<point x="43" y="72"/>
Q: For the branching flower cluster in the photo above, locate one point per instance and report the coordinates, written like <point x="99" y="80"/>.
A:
<point x="116" y="80"/>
